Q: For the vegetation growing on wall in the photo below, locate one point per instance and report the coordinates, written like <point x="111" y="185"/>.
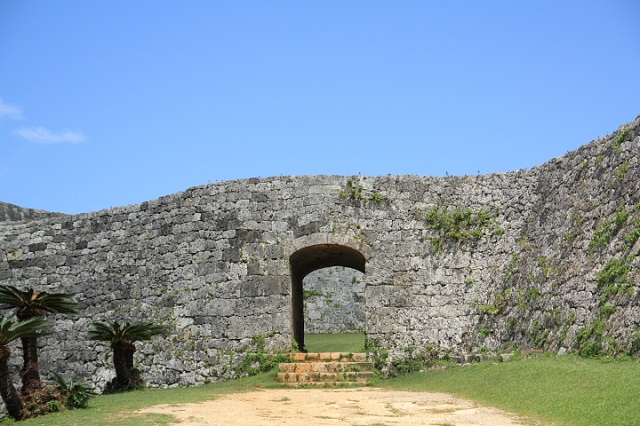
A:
<point x="412" y="359"/>
<point x="616" y="281"/>
<point x="459" y="225"/>
<point x="609" y="228"/>
<point x="524" y="299"/>
<point x="257" y="359"/>
<point x="518" y="309"/>
<point x="356" y="192"/>
<point x="613" y="279"/>
<point x="325" y="296"/>
<point x="621" y="138"/>
<point x="349" y="228"/>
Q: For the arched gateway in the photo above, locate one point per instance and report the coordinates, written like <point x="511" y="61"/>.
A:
<point x="460" y="264"/>
<point x="309" y="259"/>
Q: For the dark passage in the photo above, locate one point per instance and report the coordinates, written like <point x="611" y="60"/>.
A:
<point x="309" y="259"/>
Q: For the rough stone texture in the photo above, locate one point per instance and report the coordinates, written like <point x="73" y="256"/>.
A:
<point x="334" y="301"/>
<point x="212" y="263"/>
<point x="10" y="212"/>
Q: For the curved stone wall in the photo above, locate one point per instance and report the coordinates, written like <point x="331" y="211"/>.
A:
<point x="462" y="263"/>
<point x="334" y="301"/>
<point x="11" y="212"/>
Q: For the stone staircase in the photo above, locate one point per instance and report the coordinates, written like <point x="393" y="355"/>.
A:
<point x="326" y="369"/>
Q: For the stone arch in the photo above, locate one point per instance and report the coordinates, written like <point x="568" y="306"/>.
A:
<point x="315" y="253"/>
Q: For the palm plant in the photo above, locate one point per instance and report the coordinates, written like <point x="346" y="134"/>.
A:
<point x="30" y="304"/>
<point x="10" y="330"/>
<point x="122" y="338"/>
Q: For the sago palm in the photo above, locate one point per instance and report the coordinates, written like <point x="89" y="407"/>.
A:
<point x="33" y="304"/>
<point x="10" y="330"/>
<point x="122" y="338"/>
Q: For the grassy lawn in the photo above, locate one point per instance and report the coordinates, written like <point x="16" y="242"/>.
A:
<point x="346" y="342"/>
<point x="565" y="390"/>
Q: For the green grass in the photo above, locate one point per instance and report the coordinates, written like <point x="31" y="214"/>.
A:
<point x="346" y="342"/>
<point x="565" y="390"/>
<point x="117" y="409"/>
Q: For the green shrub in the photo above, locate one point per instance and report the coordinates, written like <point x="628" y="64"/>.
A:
<point x="589" y="339"/>
<point x="259" y="361"/>
<point x="416" y="359"/>
<point x="75" y="395"/>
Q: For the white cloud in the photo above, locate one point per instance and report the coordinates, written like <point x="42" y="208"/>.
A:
<point x="42" y="135"/>
<point x="37" y="134"/>
<point x="9" y="111"/>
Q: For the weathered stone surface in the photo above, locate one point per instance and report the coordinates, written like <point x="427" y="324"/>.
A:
<point x="213" y="263"/>
<point x="334" y="301"/>
<point x="10" y="212"/>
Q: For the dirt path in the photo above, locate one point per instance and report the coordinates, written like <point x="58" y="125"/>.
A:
<point x="359" y="406"/>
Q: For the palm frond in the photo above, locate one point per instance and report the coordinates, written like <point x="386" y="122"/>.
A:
<point x="105" y="332"/>
<point x="10" y="297"/>
<point x="11" y="328"/>
<point x="143" y="331"/>
<point x="115" y="332"/>
<point x="33" y="303"/>
<point x="58" y="303"/>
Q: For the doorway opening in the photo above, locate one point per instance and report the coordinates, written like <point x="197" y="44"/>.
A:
<point x="307" y="260"/>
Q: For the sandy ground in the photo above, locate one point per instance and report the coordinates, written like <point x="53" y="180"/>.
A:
<point x="356" y="406"/>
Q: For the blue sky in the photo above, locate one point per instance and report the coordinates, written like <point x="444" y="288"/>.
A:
<point x="109" y="103"/>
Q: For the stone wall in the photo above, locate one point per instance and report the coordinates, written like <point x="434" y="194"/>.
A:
<point x="464" y="264"/>
<point x="11" y="212"/>
<point x="334" y="301"/>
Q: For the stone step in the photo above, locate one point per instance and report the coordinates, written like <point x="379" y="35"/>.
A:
<point x="324" y="384"/>
<point x="325" y="367"/>
<point x="350" y="377"/>
<point x="328" y="357"/>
